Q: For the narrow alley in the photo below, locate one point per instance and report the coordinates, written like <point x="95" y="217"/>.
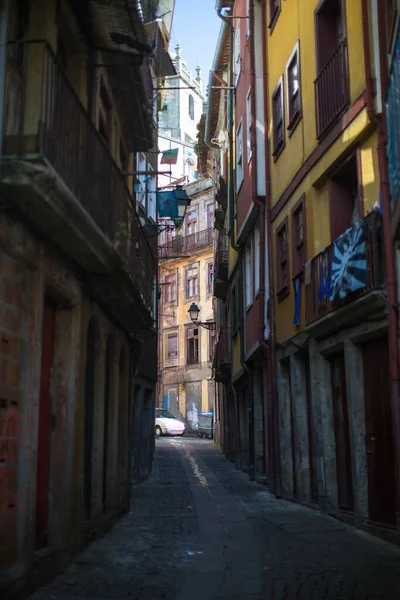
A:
<point x="198" y="528"/>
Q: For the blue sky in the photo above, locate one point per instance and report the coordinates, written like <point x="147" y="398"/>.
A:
<point x="197" y="26"/>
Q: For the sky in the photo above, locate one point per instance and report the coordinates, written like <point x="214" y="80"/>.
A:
<point x="196" y="26"/>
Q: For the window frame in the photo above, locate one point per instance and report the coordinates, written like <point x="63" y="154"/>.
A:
<point x="191" y="107"/>
<point x="195" y="278"/>
<point x="249" y="150"/>
<point x="173" y="334"/>
<point x="248" y="273"/>
<point x="390" y="24"/>
<point x="283" y="289"/>
<point x="211" y="344"/>
<point x="248" y="28"/>
<point x="274" y="11"/>
<point x="210" y="281"/>
<point x="299" y="247"/>
<point x="196" y="346"/>
<point x="237" y="54"/>
<point x="294" y="115"/>
<point x="239" y="131"/>
<point x="169" y="281"/>
<point x="278" y="145"/>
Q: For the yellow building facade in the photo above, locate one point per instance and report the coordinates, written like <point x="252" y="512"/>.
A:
<point x="186" y="275"/>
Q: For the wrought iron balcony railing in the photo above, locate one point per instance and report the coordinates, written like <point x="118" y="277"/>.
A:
<point x="332" y="89"/>
<point x="186" y="244"/>
<point x="343" y="273"/>
<point x="44" y="116"/>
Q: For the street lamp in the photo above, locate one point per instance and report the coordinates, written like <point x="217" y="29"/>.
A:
<point x="194" y="316"/>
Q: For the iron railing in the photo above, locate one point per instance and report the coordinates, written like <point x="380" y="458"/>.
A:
<point x="185" y="244"/>
<point x="332" y="89"/>
<point x="318" y="302"/>
<point x="69" y="141"/>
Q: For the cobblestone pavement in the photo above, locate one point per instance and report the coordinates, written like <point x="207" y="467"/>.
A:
<point x="200" y="529"/>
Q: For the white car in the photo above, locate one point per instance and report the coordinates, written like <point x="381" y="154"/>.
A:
<point x="168" y="424"/>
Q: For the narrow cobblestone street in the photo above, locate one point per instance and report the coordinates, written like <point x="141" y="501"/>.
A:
<point x="200" y="529"/>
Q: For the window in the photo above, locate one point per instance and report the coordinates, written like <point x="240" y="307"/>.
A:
<point x="293" y="89"/>
<point x="282" y="259"/>
<point x="191" y="107"/>
<point x="256" y="259"/>
<point x="170" y="289"/>
<point x="299" y="236"/>
<point x="210" y="216"/>
<point x="249" y="272"/>
<point x="332" y="92"/>
<point x="274" y="9"/>
<point x="248" y="124"/>
<point x="346" y="205"/>
<point x="191" y="222"/>
<point x="211" y="345"/>
<point x="172" y="346"/>
<point x="192" y="287"/>
<point x="248" y="31"/>
<point x="192" y="345"/>
<point x="278" y="120"/>
<point x="239" y="156"/>
<point x="210" y="278"/>
<point x="237" y="54"/>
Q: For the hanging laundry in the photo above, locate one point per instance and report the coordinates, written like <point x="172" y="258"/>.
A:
<point x="297" y="298"/>
<point x="349" y="263"/>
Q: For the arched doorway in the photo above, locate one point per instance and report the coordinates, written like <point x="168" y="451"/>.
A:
<point x="90" y="369"/>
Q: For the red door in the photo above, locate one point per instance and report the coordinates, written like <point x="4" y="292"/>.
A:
<point x="44" y="434"/>
<point x="379" y="433"/>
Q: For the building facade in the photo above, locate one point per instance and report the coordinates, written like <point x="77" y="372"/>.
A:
<point x="77" y="277"/>
<point x="316" y="86"/>
<point x="181" y="107"/>
<point x="186" y="275"/>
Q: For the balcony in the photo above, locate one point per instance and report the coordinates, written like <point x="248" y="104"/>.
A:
<point x="221" y="267"/>
<point x="347" y="283"/>
<point x="58" y="172"/>
<point x="331" y="86"/>
<point x="185" y="245"/>
<point x="222" y="358"/>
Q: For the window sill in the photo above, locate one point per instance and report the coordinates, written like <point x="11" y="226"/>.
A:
<point x="295" y="120"/>
<point x="283" y="293"/>
<point x="192" y="299"/>
<point x="193" y="365"/>
<point x="280" y="148"/>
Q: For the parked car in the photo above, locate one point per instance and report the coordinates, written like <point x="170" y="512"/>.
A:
<point x="168" y="424"/>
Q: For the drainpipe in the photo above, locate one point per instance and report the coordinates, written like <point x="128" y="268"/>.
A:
<point x="272" y="395"/>
<point x="380" y="123"/>
<point x="3" y="66"/>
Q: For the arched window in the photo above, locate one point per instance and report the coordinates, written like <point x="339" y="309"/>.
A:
<point x="191" y="107"/>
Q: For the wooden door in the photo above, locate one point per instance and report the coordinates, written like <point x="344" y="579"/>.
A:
<point x="44" y="433"/>
<point x="173" y="401"/>
<point x="342" y="432"/>
<point x="379" y="433"/>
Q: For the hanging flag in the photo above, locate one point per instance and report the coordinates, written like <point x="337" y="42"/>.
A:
<point x="170" y="157"/>
<point x="167" y="204"/>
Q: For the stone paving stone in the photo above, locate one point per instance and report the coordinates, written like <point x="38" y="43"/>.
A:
<point x="198" y="528"/>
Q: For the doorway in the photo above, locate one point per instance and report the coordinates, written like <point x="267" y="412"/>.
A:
<point x="173" y="401"/>
<point x="342" y="432"/>
<point x="44" y="433"/>
<point x="90" y="369"/>
<point x="106" y="426"/>
<point x="379" y="433"/>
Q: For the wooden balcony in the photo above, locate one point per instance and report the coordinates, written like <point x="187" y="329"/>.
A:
<point x="328" y="291"/>
<point x="184" y="245"/>
<point x="59" y="173"/>
<point x="332" y="95"/>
